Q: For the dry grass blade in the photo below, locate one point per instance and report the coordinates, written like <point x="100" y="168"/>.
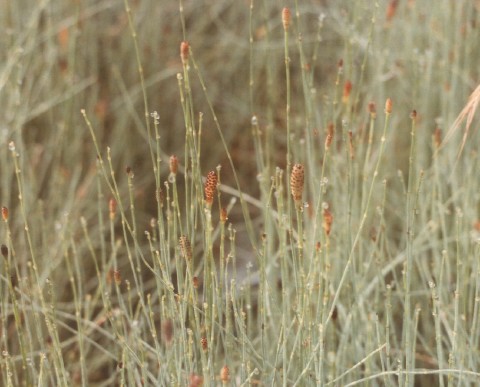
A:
<point x="468" y="112"/>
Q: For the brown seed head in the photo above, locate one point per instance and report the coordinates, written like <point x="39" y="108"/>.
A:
<point x="210" y="187"/>
<point x="330" y="132"/>
<point x="225" y="374"/>
<point x="391" y="10"/>
<point x="296" y="182"/>
<point x="173" y="163"/>
<point x="413" y="115"/>
<point x="196" y="282"/>
<point x="286" y="16"/>
<point x="372" y="109"/>
<point x="204" y="343"/>
<point x="223" y="215"/>
<point x="195" y="381"/>
<point x="335" y="313"/>
<point x="128" y="169"/>
<point x="112" y="208"/>
<point x="185" y="247"/>
<point x="184" y="52"/>
<point x="5" y="214"/>
<point x="327" y="221"/>
<point x="388" y="106"/>
<point x="347" y="88"/>
<point x="4" y="250"/>
<point x="62" y="38"/>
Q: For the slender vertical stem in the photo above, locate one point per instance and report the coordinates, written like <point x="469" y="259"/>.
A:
<point x="407" y="319"/>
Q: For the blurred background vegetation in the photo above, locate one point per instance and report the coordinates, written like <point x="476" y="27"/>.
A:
<point x="60" y="57"/>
